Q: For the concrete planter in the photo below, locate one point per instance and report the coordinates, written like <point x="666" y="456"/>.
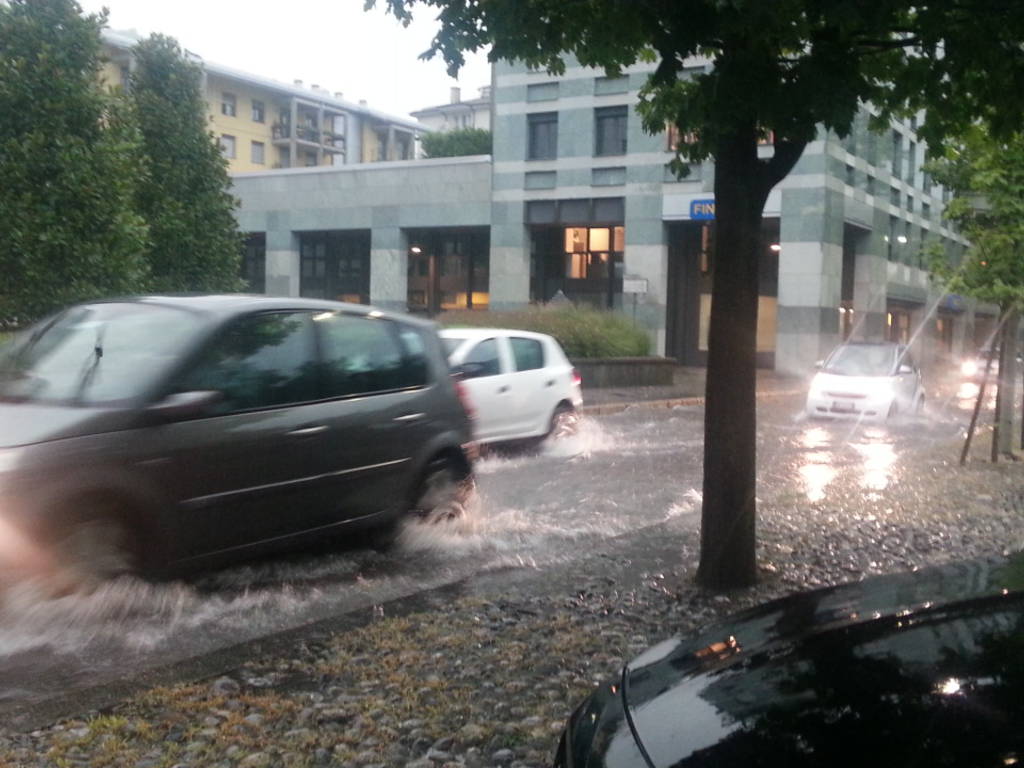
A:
<point x="601" y="372"/>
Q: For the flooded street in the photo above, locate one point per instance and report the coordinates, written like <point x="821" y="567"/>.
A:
<point x="623" y="473"/>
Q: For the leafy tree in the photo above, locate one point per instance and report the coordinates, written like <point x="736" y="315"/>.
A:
<point x="68" y="166"/>
<point x="465" y="141"/>
<point x="788" y="67"/>
<point x="987" y="178"/>
<point x="185" y="197"/>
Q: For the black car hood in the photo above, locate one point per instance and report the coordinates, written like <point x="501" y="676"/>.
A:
<point x="27" y="423"/>
<point x="924" y="668"/>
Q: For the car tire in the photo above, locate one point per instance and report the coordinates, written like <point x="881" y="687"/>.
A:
<point x="94" y="547"/>
<point x="565" y="422"/>
<point x="443" y="492"/>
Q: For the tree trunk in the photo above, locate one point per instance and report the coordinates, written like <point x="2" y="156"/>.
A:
<point x="1003" y="437"/>
<point x="730" y="415"/>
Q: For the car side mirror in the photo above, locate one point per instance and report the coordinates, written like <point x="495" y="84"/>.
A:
<point x="469" y="370"/>
<point x="819" y="365"/>
<point x="180" y="406"/>
<point x="904" y="368"/>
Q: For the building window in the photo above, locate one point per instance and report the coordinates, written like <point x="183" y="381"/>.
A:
<point x="335" y="265"/>
<point x="258" y="153"/>
<point x="610" y="130"/>
<point x="542" y="136"/>
<point x="228" y="104"/>
<point x="227" y="146"/>
<point x="254" y="262"/>
<point x="912" y="163"/>
<point x="894" y="196"/>
<point x="584" y="263"/>
<point x="675" y="139"/>
<point x="897" y="155"/>
<point x="259" y="112"/>
<point x="311" y="159"/>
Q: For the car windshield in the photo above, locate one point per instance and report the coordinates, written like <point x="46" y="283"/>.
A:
<point x="861" y="360"/>
<point x="93" y="354"/>
<point x="451" y="344"/>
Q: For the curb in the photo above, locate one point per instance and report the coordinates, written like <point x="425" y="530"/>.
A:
<point x="608" y="408"/>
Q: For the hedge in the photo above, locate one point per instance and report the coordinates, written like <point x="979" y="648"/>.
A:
<point x="583" y="333"/>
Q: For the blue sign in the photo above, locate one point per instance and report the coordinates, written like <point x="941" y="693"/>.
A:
<point x="702" y="210"/>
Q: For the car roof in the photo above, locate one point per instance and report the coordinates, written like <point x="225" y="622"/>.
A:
<point x="487" y="333"/>
<point x="230" y="304"/>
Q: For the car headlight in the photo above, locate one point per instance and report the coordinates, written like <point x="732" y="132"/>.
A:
<point x="968" y="367"/>
<point x="816" y="386"/>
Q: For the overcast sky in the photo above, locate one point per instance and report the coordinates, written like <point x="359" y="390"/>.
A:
<point x="333" y="43"/>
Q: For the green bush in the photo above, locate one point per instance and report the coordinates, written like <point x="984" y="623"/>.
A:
<point x="583" y="333"/>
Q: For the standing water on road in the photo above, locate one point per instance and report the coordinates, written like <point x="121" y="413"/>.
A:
<point x="530" y="509"/>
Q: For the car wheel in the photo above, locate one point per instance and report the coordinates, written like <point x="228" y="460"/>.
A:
<point x="565" y="422"/>
<point x="443" y="492"/>
<point x="93" y="548"/>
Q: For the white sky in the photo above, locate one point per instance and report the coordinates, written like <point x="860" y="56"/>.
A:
<point x="333" y="43"/>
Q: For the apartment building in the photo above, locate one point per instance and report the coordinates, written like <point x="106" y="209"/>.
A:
<point x="266" y="125"/>
<point x="578" y="198"/>
<point x="458" y="113"/>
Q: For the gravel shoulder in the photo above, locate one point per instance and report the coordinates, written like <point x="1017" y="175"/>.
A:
<point x="488" y="678"/>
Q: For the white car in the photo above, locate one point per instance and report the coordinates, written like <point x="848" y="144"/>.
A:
<point x="520" y="385"/>
<point x="866" y="380"/>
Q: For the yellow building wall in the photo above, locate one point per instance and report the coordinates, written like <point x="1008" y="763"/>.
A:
<point x="110" y="72"/>
<point x="242" y="126"/>
<point x="370" y="144"/>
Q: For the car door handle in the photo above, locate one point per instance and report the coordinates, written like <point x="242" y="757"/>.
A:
<point x="550" y="383"/>
<point x="502" y="390"/>
<point x="307" y="431"/>
<point x="407" y="417"/>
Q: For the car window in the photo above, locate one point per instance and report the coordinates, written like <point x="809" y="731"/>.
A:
<point x="528" y="353"/>
<point x="362" y="355"/>
<point x="861" y="360"/>
<point x="259" y="361"/>
<point x="450" y="345"/>
<point x="98" y="353"/>
<point x="484" y="355"/>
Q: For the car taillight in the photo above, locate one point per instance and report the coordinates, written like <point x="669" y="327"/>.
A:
<point x="463" y="394"/>
<point x="576" y="378"/>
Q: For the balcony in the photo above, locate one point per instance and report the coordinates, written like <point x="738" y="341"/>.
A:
<point x="310" y="136"/>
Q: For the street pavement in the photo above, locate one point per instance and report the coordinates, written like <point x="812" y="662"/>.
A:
<point x="619" y="501"/>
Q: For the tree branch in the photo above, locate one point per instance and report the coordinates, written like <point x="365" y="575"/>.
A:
<point x="778" y="166"/>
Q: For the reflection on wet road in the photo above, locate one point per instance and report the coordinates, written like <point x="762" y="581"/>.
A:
<point x="621" y="473"/>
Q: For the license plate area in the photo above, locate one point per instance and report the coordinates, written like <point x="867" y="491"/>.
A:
<point x="840" y="406"/>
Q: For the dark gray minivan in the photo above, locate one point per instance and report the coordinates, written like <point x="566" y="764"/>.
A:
<point x="161" y="433"/>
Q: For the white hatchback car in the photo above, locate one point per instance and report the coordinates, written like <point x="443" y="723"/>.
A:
<point x="866" y="380"/>
<point x="520" y="384"/>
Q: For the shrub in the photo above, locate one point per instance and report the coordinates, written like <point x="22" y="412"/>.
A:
<point x="583" y="333"/>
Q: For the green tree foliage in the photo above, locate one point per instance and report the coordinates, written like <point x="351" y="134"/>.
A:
<point x="185" y="196"/>
<point x="986" y="176"/>
<point x="68" y="166"/>
<point x="465" y="141"/>
<point x="788" y="67"/>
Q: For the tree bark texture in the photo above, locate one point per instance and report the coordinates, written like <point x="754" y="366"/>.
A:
<point x="730" y="415"/>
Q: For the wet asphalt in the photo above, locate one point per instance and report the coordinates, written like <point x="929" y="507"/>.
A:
<point x="622" y="475"/>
